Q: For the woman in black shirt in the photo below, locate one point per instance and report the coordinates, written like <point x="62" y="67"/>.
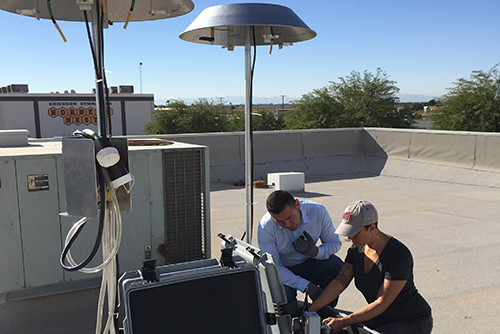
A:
<point x="382" y="268"/>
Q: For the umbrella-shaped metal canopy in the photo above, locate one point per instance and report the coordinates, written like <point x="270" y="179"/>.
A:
<point x="117" y="10"/>
<point x="248" y="24"/>
<point x="226" y="25"/>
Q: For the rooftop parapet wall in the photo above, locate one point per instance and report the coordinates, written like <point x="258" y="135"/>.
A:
<point x="314" y="152"/>
<point x="447" y="156"/>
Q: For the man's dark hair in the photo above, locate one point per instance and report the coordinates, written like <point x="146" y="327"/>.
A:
<point x="277" y="201"/>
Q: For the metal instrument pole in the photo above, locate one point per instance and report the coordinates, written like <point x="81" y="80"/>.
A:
<point x="248" y="137"/>
<point x="99" y="83"/>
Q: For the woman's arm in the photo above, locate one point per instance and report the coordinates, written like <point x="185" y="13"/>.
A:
<point x="335" y="288"/>
<point x="388" y="291"/>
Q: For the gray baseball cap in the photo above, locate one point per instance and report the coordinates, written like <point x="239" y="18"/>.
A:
<point x="356" y="215"/>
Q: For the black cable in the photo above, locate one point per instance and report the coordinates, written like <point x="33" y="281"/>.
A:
<point x="251" y="123"/>
<point x="102" y="192"/>
<point x="103" y="76"/>
<point x="108" y="106"/>
<point x="98" y="72"/>
<point x="103" y="119"/>
<point x="98" y="35"/>
<point x="305" y="307"/>
<point x="89" y="35"/>
<point x="254" y="56"/>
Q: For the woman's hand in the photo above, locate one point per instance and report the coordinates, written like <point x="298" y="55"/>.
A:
<point x="335" y="324"/>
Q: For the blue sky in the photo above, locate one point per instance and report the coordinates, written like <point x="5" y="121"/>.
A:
<point x="425" y="46"/>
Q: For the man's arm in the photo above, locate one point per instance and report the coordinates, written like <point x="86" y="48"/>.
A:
<point x="330" y="242"/>
<point x="267" y="244"/>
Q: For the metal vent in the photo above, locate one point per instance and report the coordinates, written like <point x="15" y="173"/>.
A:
<point x="184" y="183"/>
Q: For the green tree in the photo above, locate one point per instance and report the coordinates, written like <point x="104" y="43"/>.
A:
<point x="267" y="119"/>
<point x="263" y="119"/>
<point x="178" y="117"/>
<point x="471" y="105"/>
<point x="358" y="100"/>
<point x="315" y="110"/>
<point x="417" y="106"/>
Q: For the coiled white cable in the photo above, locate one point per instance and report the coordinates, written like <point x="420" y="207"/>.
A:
<point x="108" y="285"/>
<point x="110" y="243"/>
<point x="115" y="240"/>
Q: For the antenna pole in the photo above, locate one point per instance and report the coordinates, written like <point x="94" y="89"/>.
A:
<point x="248" y="138"/>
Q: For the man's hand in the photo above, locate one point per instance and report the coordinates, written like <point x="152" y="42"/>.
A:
<point x="314" y="291"/>
<point x="306" y="245"/>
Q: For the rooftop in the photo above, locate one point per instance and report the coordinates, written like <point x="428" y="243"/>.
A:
<point x="436" y="191"/>
<point x="452" y="230"/>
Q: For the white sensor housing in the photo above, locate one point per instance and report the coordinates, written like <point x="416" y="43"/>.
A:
<point x="108" y="156"/>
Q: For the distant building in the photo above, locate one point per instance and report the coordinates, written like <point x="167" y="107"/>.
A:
<point x="55" y="114"/>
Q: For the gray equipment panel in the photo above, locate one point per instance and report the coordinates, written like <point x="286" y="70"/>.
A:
<point x="221" y="299"/>
<point x="41" y="238"/>
<point x="80" y="177"/>
<point x="11" y="257"/>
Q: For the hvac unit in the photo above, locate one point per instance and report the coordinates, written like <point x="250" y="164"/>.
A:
<point x="18" y="88"/>
<point x="126" y="89"/>
<point x="184" y="195"/>
<point x="169" y="214"/>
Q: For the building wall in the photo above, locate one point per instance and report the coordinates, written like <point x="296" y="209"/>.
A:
<point x="52" y="115"/>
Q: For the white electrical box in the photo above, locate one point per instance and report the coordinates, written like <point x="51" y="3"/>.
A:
<point x="289" y="181"/>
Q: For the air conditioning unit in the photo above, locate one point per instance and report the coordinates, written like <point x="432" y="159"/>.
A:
<point x="18" y="88"/>
<point x="126" y="89"/>
<point x="169" y="214"/>
<point x="185" y="205"/>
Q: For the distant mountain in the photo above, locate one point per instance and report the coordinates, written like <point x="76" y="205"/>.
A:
<point x="236" y="99"/>
<point x="277" y="99"/>
<point x="259" y="99"/>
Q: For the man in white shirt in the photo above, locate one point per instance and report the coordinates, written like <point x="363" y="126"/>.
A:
<point x="289" y="232"/>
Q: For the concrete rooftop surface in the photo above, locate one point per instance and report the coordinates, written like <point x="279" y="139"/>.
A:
<point x="452" y="230"/>
<point x="436" y="191"/>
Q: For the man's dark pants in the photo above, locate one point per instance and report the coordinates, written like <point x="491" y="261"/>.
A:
<point x="319" y="272"/>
